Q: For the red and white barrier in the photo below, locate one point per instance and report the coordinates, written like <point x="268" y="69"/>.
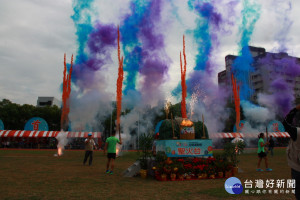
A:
<point x="42" y="134"/>
<point x="248" y="135"/>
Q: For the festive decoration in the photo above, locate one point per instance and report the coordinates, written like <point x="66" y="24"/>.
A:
<point x="236" y="96"/>
<point x="183" y="84"/>
<point x="66" y="95"/>
<point x="119" y="84"/>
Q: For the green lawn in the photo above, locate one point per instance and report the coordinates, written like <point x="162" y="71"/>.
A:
<point x="33" y="174"/>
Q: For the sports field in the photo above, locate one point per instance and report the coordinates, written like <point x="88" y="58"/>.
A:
<point x="37" y="174"/>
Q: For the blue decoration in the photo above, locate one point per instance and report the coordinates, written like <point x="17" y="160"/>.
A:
<point x="1" y="125"/>
<point x="36" y="124"/>
<point x="275" y="126"/>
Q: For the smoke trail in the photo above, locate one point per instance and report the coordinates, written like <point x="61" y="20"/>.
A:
<point x="83" y="24"/>
<point x="66" y="95"/>
<point x="210" y="23"/>
<point x="102" y="40"/>
<point x="155" y="61"/>
<point x="62" y="142"/>
<point x="119" y="84"/>
<point x="95" y="44"/>
<point x="236" y="96"/>
<point x="282" y="9"/>
<point x="183" y="84"/>
<point x="203" y="36"/>
<point x="242" y="65"/>
<point x="91" y="96"/>
<point x="132" y="47"/>
<point x="281" y="96"/>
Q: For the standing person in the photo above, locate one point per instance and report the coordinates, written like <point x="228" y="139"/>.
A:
<point x="271" y="145"/>
<point x="293" y="149"/>
<point x="261" y="153"/>
<point x="110" y="146"/>
<point x="89" y="147"/>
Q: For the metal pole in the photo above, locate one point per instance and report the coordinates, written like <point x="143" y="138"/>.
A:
<point x="138" y="131"/>
<point x="110" y="129"/>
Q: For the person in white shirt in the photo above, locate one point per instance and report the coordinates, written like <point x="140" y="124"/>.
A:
<point x="89" y="147"/>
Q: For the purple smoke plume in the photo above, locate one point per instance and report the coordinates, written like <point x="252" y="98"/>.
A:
<point x="155" y="62"/>
<point x="101" y="41"/>
<point x="284" y="22"/>
<point x="284" y="71"/>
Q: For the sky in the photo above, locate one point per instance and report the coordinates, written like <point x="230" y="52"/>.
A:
<point x="35" y="34"/>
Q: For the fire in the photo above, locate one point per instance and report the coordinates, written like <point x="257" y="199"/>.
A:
<point x="236" y="96"/>
<point x="66" y="94"/>
<point x="183" y="83"/>
<point x="119" y="82"/>
<point x="59" y="151"/>
<point x="186" y="122"/>
<point x="118" y="150"/>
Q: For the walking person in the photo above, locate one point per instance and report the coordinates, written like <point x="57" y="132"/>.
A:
<point x="89" y="147"/>
<point x="271" y="145"/>
<point x="261" y="153"/>
<point x="110" y="147"/>
<point x="293" y="149"/>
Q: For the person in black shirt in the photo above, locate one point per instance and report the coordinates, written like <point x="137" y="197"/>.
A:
<point x="293" y="149"/>
<point x="271" y="145"/>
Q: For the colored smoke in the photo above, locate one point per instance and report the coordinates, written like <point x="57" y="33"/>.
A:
<point x="132" y="47"/>
<point x="90" y="102"/>
<point x="155" y="61"/>
<point x="284" y="23"/>
<point x="119" y="83"/>
<point x="183" y="83"/>
<point x="66" y="95"/>
<point x="242" y="65"/>
<point x="281" y="95"/>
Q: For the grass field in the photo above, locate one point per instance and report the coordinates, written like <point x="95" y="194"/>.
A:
<point x="34" y="174"/>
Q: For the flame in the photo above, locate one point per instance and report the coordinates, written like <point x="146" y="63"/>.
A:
<point x="183" y="83"/>
<point x="167" y="107"/>
<point x="119" y="82"/>
<point x="186" y="122"/>
<point x="59" y="151"/>
<point x="118" y="150"/>
<point x="236" y="96"/>
<point x="66" y="94"/>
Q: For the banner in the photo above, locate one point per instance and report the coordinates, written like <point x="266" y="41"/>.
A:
<point x="36" y="124"/>
<point x="242" y="125"/>
<point x="185" y="148"/>
<point x="275" y="126"/>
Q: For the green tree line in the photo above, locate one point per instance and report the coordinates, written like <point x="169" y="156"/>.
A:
<point x="15" y="116"/>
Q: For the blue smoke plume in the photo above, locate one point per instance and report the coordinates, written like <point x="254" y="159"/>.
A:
<point x="242" y="65"/>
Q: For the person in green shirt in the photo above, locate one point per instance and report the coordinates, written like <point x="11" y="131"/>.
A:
<point x="261" y="152"/>
<point x="110" y="147"/>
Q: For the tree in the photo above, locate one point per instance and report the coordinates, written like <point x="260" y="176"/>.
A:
<point x="15" y="116"/>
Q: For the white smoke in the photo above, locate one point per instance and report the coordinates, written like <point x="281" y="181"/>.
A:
<point x="62" y="142"/>
<point x="87" y="111"/>
<point x="257" y="114"/>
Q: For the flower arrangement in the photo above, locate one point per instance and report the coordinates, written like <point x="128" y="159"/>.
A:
<point x="189" y="168"/>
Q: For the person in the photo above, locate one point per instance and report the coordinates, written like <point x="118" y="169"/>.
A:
<point x="261" y="153"/>
<point x="89" y="147"/>
<point x="110" y="147"/>
<point x="293" y="149"/>
<point x="271" y="145"/>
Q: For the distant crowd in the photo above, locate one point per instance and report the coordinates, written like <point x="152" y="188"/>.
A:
<point x="42" y="143"/>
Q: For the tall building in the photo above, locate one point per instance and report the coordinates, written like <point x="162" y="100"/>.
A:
<point x="266" y="68"/>
<point x="48" y="101"/>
